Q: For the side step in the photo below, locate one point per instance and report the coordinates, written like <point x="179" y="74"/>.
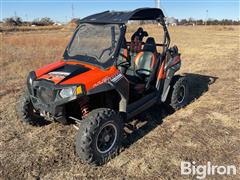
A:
<point x="141" y="105"/>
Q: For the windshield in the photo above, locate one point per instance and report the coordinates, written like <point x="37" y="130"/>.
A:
<point x="97" y="42"/>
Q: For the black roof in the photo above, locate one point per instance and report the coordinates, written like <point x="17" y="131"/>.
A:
<point x="121" y="17"/>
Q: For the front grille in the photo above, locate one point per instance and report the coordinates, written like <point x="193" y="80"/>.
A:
<point x="45" y="94"/>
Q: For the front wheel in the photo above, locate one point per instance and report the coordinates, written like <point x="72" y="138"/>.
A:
<point x="27" y="113"/>
<point x="99" y="136"/>
<point x="179" y="93"/>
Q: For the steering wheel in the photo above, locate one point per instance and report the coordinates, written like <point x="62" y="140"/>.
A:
<point x="125" y="64"/>
<point x="143" y="73"/>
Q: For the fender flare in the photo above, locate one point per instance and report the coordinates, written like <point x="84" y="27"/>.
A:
<point x="121" y="86"/>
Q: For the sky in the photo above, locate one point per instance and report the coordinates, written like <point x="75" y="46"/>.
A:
<point x="61" y="10"/>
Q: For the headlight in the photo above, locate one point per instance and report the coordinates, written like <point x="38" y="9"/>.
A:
<point x="67" y="92"/>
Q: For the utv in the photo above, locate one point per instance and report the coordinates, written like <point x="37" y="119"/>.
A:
<point x="104" y="80"/>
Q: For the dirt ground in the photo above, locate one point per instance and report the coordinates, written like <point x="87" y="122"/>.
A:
<point x="206" y="130"/>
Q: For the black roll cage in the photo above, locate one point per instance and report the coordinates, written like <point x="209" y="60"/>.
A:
<point x="120" y="18"/>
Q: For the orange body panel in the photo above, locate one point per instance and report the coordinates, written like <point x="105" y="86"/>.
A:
<point x="49" y="67"/>
<point x="161" y="74"/>
<point x="92" y="78"/>
<point x="137" y="58"/>
<point x="54" y="78"/>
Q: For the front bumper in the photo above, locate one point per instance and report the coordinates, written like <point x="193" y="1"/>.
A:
<point x="44" y="95"/>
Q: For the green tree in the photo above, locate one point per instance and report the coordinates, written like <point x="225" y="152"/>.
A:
<point x="13" y="21"/>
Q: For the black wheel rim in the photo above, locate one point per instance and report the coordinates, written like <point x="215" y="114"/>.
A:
<point x="181" y="94"/>
<point x="106" y="138"/>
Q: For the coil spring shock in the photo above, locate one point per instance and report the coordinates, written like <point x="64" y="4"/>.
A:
<point x="84" y="106"/>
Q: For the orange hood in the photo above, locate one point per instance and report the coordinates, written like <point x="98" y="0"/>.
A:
<point x="64" y="73"/>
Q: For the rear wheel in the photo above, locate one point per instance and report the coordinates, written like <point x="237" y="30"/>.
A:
<point x="179" y="93"/>
<point x="99" y="136"/>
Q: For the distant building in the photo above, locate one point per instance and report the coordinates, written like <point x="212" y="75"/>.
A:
<point x="171" y="21"/>
<point x="57" y="24"/>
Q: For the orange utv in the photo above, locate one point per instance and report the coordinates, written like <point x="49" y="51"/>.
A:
<point x="105" y="80"/>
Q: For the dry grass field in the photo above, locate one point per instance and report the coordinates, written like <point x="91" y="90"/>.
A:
<point x="28" y="28"/>
<point x="206" y="130"/>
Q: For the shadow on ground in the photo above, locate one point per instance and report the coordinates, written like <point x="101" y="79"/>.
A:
<point x="150" y="119"/>
<point x="198" y="84"/>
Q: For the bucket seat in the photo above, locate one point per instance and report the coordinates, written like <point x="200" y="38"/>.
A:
<point x="143" y="65"/>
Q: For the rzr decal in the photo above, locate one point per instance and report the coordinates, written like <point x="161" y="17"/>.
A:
<point x="117" y="78"/>
<point x="56" y="73"/>
<point x="114" y="78"/>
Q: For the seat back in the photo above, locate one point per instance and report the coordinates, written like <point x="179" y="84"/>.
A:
<point x="146" y="59"/>
<point x="150" y="45"/>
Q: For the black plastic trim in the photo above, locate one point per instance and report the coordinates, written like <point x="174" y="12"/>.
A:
<point x="31" y="77"/>
<point x="142" y="104"/>
<point x="101" y="88"/>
